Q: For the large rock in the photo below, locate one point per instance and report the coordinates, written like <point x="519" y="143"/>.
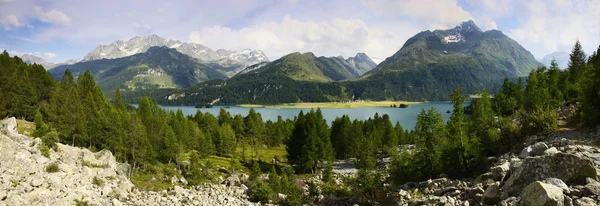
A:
<point x="542" y="194"/>
<point x="491" y="196"/>
<point x="592" y="187"/>
<point x="570" y="168"/>
<point x="500" y="171"/>
<point x="585" y="201"/>
<point x="232" y="180"/>
<point x="534" y="150"/>
<point x="558" y="183"/>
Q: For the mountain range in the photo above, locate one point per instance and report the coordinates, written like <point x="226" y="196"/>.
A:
<point x="138" y="45"/>
<point x="428" y="67"/>
<point x="157" y="67"/>
<point x="154" y="62"/>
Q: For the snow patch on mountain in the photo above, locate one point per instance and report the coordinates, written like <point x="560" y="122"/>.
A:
<point x="453" y="38"/>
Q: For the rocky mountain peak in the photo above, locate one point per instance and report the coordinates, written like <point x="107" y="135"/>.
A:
<point x="468" y="26"/>
<point x="140" y="44"/>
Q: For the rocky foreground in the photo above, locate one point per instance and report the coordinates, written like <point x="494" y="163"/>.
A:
<point x="560" y="169"/>
<point x="95" y="178"/>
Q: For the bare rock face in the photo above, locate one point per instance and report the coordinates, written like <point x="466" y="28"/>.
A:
<point x="570" y="168"/>
<point x="542" y="194"/>
<point x="30" y="184"/>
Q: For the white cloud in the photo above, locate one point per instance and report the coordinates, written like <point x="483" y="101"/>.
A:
<point x="550" y="26"/>
<point x="339" y="36"/>
<point x="434" y="13"/>
<point x="544" y="26"/>
<point x="53" y="16"/>
<point x="50" y="55"/>
<point x="10" y="21"/>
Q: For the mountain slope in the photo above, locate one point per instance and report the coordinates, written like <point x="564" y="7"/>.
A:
<point x="229" y="61"/>
<point x="308" y="67"/>
<point x="293" y="78"/>
<point x="158" y="67"/>
<point x="431" y="64"/>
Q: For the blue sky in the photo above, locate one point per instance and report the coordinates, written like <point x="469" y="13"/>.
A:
<point x="68" y="29"/>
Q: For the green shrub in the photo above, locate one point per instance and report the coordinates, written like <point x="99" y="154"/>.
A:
<point x="98" y="181"/>
<point x="261" y="192"/>
<point x="50" y="139"/>
<point x="81" y="202"/>
<point x="52" y="168"/>
<point x="328" y="173"/>
<point x="539" y="122"/>
<point x="336" y="190"/>
<point x="45" y="150"/>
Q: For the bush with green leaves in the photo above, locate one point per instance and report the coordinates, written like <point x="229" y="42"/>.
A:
<point x="50" y="139"/>
<point x="44" y="150"/>
<point x="261" y="192"/>
<point x="538" y="122"/>
<point x="98" y="181"/>
<point x="52" y="168"/>
<point x="369" y="184"/>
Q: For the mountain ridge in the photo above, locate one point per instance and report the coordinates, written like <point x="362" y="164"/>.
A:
<point x="140" y="44"/>
<point x="428" y="67"/>
<point x="158" y="67"/>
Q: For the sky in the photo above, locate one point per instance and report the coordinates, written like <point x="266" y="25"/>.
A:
<point x="59" y="30"/>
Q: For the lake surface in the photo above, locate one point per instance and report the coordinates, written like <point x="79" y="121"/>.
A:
<point x="406" y="116"/>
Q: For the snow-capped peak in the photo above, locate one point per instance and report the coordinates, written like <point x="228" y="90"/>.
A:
<point x="141" y="44"/>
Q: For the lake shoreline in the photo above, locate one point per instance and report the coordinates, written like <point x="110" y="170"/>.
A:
<point x="331" y="105"/>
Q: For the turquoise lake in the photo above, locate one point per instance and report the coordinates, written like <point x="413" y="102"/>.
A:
<point x="406" y="116"/>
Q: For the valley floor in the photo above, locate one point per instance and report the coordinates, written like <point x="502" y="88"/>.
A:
<point x="340" y="105"/>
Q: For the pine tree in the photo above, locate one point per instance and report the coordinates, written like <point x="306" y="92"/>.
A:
<point x="227" y="143"/>
<point x="590" y="113"/>
<point x="390" y="137"/>
<point x="65" y="109"/>
<point x="340" y="136"/>
<point x="455" y="151"/>
<point x="482" y="124"/>
<point x="255" y="129"/>
<point x="577" y="63"/>
<point x="430" y="131"/>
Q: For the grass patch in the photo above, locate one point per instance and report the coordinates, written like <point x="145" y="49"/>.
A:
<point x="266" y="154"/>
<point x="333" y="104"/>
<point x="25" y="127"/>
<point x="92" y="164"/>
<point x="151" y="178"/>
<point x="52" y="168"/>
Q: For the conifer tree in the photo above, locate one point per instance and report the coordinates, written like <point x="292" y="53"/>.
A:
<point x="430" y="131"/>
<point x="590" y="111"/>
<point x="455" y="149"/>
<point x="64" y="111"/>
